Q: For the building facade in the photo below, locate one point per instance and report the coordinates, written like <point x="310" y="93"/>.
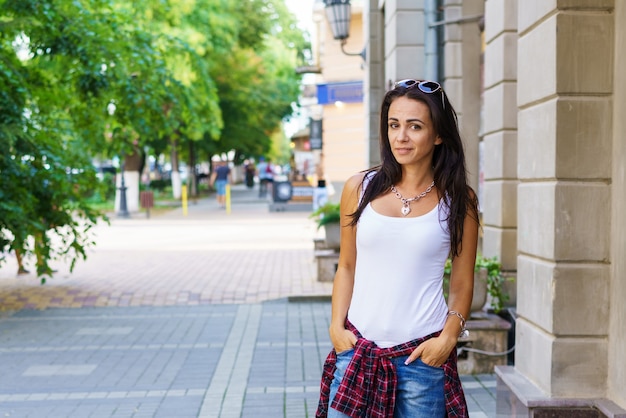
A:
<point x="540" y="91"/>
<point x="340" y="100"/>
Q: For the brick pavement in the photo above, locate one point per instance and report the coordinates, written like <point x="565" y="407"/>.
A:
<point x="208" y="256"/>
<point x="202" y="316"/>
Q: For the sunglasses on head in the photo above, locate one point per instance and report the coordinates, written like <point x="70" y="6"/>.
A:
<point x="425" y="86"/>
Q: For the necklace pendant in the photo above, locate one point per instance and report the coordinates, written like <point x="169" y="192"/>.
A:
<point x="406" y="209"/>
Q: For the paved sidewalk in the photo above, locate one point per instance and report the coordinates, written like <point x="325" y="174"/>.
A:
<point x="209" y="315"/>
<point x="205" y="257"/>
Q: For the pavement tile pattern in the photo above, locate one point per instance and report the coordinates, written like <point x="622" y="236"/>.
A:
<point x="205" y="315"/>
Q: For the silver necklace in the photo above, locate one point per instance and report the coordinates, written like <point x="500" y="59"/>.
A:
<point x="406" y="208"/>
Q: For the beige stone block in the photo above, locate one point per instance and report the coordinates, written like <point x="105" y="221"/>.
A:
<point x="564" y="221"/>
<point x="500" y="110"/>
<point x="375" y="52"/>
<point x="473" y="7"/>
<point x="597" y="5"/>
<point x="530" y="12"/>
<point x="501" y="243"/>
<point x="410" y="28"/>
<point x="499" y="204"/>
<point x="585" y="53"/>
<point x="581" y="299"/>
<point x="453" y="33"/>
<point x="579" y="367"/>
<point x="536" y="234"/>
<point x="407" y="62"/>
<point x="500" y="155"/>
<point x="536" y="141"/>
<point x="536" y="61"/>
<point x="410" y="4"/>
<point x="453" y="57"/>
<point x="500" y="16"/>
<point x="501" y="60"/>
<point x="533" y="352"/>
<point x="617" y="340"/>
<point x="584" y="136"/>
<point x="582" y="221"/>
<point x="562" y="367"/>
<point x="391" y="35"/>
<point x="535" y="291"/>
<point x="454" y="90"/>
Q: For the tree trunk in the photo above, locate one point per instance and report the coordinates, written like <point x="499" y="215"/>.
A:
<point x="191" y="170"/>
<point x="175" y="177"/>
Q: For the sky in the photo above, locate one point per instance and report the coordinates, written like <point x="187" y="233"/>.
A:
<point x="303" y="9"/>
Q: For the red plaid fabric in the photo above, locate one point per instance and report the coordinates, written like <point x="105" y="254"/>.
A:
<point x="368" y="387"/>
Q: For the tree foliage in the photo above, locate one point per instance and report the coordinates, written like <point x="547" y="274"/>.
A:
<point x="92" y="78"/>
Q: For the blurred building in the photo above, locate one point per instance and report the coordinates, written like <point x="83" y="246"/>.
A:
<point x="332" y="100"/>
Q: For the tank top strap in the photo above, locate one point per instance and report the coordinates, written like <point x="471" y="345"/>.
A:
<point x="366" y="180"/>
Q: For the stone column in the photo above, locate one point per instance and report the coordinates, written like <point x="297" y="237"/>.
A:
<point x="374" y="85"/>
<point x="462" y="55"/>
<point x="499" y="197"/>
<point x="617" y="319"/>
<point x="565" y="83"/>
<point x="403" y="41"/>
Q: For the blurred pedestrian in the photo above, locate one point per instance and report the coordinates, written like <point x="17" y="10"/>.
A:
<point x="265" y="173"/>
<point x="393" y="332"/>
<point x="250" y="171"/>
<point x="220" y="178"/>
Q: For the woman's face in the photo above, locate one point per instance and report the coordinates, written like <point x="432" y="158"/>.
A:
<point x="412" y="136"/>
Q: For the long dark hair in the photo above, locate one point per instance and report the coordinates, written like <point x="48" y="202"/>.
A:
<point x="450" y="174"/>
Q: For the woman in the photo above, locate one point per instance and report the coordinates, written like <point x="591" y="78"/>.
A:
<point x="394" y="335"/>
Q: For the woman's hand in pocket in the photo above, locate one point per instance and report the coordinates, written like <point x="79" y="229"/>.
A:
<point x="342" y="339"/>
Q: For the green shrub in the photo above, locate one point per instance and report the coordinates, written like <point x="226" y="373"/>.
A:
<point x="326" y="214"/>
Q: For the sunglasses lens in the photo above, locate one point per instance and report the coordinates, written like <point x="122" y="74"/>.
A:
<point x="429" y="86"/>
<point x="406" y="83"/>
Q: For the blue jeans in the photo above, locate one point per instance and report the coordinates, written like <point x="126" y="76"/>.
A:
<point x="419" y="392"/>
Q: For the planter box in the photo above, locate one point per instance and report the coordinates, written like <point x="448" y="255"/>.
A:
<point x="327" y="261"/>
<point x="332" y="231"/>
<point x="486" y="333"/>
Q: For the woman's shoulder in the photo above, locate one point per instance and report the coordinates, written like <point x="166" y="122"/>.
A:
<point x="359" y="180"/>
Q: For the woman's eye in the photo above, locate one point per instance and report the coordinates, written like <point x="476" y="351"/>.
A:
<point x="393" y="125"/>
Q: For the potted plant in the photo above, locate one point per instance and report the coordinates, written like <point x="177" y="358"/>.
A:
<point x="496" y="281"/>
<point x="327" y="216"/>
<point x="488" y="280"/>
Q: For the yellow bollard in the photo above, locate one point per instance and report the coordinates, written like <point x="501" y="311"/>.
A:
<point x="228" y="199"/>
<point x="184" y="199"/>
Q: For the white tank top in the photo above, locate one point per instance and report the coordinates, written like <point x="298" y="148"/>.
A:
<point x="397" y="293"/>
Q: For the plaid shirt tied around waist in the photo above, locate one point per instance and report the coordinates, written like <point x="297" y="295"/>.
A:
<point x="368" y="387"/>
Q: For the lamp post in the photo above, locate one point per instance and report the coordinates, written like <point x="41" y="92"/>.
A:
<point x="123" y="212"/>
<point x="338" y="13"/>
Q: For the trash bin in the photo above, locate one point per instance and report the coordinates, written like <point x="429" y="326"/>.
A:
<point x="282" y="191"/>
<point x="146" y="200"/>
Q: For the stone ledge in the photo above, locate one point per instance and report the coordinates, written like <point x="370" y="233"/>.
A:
<point x="326" y="264"/>
<point x="290" y="207"/>
<point x="488" y="333"/>
<point x="518" y="396"/>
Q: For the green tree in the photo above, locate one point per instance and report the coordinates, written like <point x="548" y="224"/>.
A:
<point x="59" y="63"/>
<point x="257" y="82"/>
<point x="92" y="78"/>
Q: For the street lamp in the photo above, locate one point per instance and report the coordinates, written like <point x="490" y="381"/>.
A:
<point x="338" y="15"/>
<point x="123" y="212"/>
